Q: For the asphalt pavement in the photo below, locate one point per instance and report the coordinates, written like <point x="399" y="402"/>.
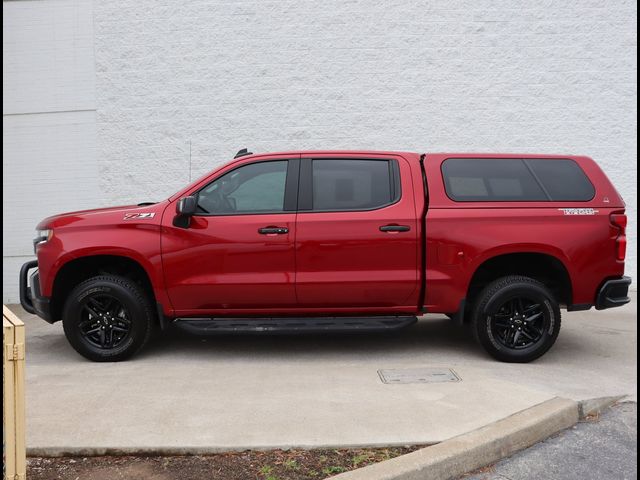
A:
<point x="596" y="449"/>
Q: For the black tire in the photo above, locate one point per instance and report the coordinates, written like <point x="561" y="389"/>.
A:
<point x="516" y="319"/>
<point x="108" y="318"/>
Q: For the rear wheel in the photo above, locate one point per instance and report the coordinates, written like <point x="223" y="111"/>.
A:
<point x="516" y="319"/>
<point x="107" y="318"/>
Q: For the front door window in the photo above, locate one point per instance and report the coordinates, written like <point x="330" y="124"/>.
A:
<point x="254" y="188"/>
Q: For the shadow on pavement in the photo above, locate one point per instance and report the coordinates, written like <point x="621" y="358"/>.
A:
<point x="428" y="334"/>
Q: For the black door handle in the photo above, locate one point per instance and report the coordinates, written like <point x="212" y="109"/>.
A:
<point x="273" y="230"/>
<point x="395" y="228"/>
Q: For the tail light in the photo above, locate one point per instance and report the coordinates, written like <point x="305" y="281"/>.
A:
<point x="619" y="220"/>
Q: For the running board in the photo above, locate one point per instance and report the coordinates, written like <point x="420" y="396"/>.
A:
<point x="289" y="325"/>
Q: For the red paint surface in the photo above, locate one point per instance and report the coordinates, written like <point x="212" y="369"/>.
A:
<point x="340" y="262"/>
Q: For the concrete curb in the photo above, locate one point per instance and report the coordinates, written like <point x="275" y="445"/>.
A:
<point x="595" y="406"/>
<point x="475" y="449"/>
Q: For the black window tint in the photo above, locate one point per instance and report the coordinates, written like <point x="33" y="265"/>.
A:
<point x="353" y="184"/>
<point x="490" y="180"/>
<point x="524" y="180"/>
<point x="563" y="180"/>
<point x="253" y="188"/>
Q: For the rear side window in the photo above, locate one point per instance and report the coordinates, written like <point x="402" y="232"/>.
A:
<point x="516" y="180"/>
<point x="354" y="184"/>
<point x="563" y="180"/>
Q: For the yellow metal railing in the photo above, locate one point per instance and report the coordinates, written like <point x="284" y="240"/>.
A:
<point x="13" y="426"/>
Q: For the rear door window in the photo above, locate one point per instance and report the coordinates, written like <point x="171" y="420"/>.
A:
<point x="352" y="185"/>
<point x="516" y="180"/>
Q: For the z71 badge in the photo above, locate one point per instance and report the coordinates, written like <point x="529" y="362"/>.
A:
<point x="131" y="216"/>
<point x="579" y="211"/>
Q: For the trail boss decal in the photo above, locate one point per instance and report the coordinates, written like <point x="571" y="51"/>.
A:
<point x="131" y="216"/>
<point x="579" y="211"/>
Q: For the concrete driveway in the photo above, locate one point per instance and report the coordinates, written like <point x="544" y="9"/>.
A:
<point x="189" y="394"/>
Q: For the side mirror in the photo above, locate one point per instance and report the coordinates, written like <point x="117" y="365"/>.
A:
<point x="185" y="208"/>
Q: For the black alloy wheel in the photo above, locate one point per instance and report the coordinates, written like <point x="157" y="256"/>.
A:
<point x="516" y="319"/>
<point x="519" y="323"/>
<point x="105" y="323"/>
<point x="108" y="318"/>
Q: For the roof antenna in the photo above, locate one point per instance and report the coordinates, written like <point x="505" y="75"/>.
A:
<point x="243" y="152"/>
<point x="189" y="160"/>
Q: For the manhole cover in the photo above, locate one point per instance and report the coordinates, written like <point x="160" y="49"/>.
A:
<point x="419" y="375"/>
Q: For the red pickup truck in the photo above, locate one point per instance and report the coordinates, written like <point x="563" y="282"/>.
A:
<point x="340" y="240"/>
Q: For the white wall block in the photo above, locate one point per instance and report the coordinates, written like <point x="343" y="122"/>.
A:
<point x="47" y="56"/>
<point x="49" y="122"/>
<point x="49" y="167"/>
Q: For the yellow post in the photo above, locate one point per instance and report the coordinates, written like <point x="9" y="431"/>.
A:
<point x="13" y="426"/>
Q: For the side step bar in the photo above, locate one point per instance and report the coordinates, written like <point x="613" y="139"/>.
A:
<point x="289" y="325"/>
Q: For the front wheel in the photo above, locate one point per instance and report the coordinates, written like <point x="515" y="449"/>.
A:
<point x="516" y="319"/>
<point x="107" y="318"/>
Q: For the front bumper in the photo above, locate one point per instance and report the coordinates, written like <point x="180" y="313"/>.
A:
<point x="613" y="293"/>
<point x="30" y="298"/>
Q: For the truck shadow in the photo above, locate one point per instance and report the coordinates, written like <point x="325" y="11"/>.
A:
<point x="428" y="334"/>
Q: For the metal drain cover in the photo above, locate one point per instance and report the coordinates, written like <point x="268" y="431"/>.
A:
<point x="419" y="375"/>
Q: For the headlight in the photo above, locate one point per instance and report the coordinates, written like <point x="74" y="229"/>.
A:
<point x="41" y="237"/>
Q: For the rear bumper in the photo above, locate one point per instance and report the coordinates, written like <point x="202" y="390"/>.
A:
<point x="30" y="298"/>
<point x="613" y="293"/>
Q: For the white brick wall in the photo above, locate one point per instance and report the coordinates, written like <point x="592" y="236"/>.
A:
<point x="477" y="75"/>
<point x="484" y="75"/>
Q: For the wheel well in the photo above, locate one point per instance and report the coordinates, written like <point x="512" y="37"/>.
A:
<point x="545" y="268"/>
<point x="80" y="269"/>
